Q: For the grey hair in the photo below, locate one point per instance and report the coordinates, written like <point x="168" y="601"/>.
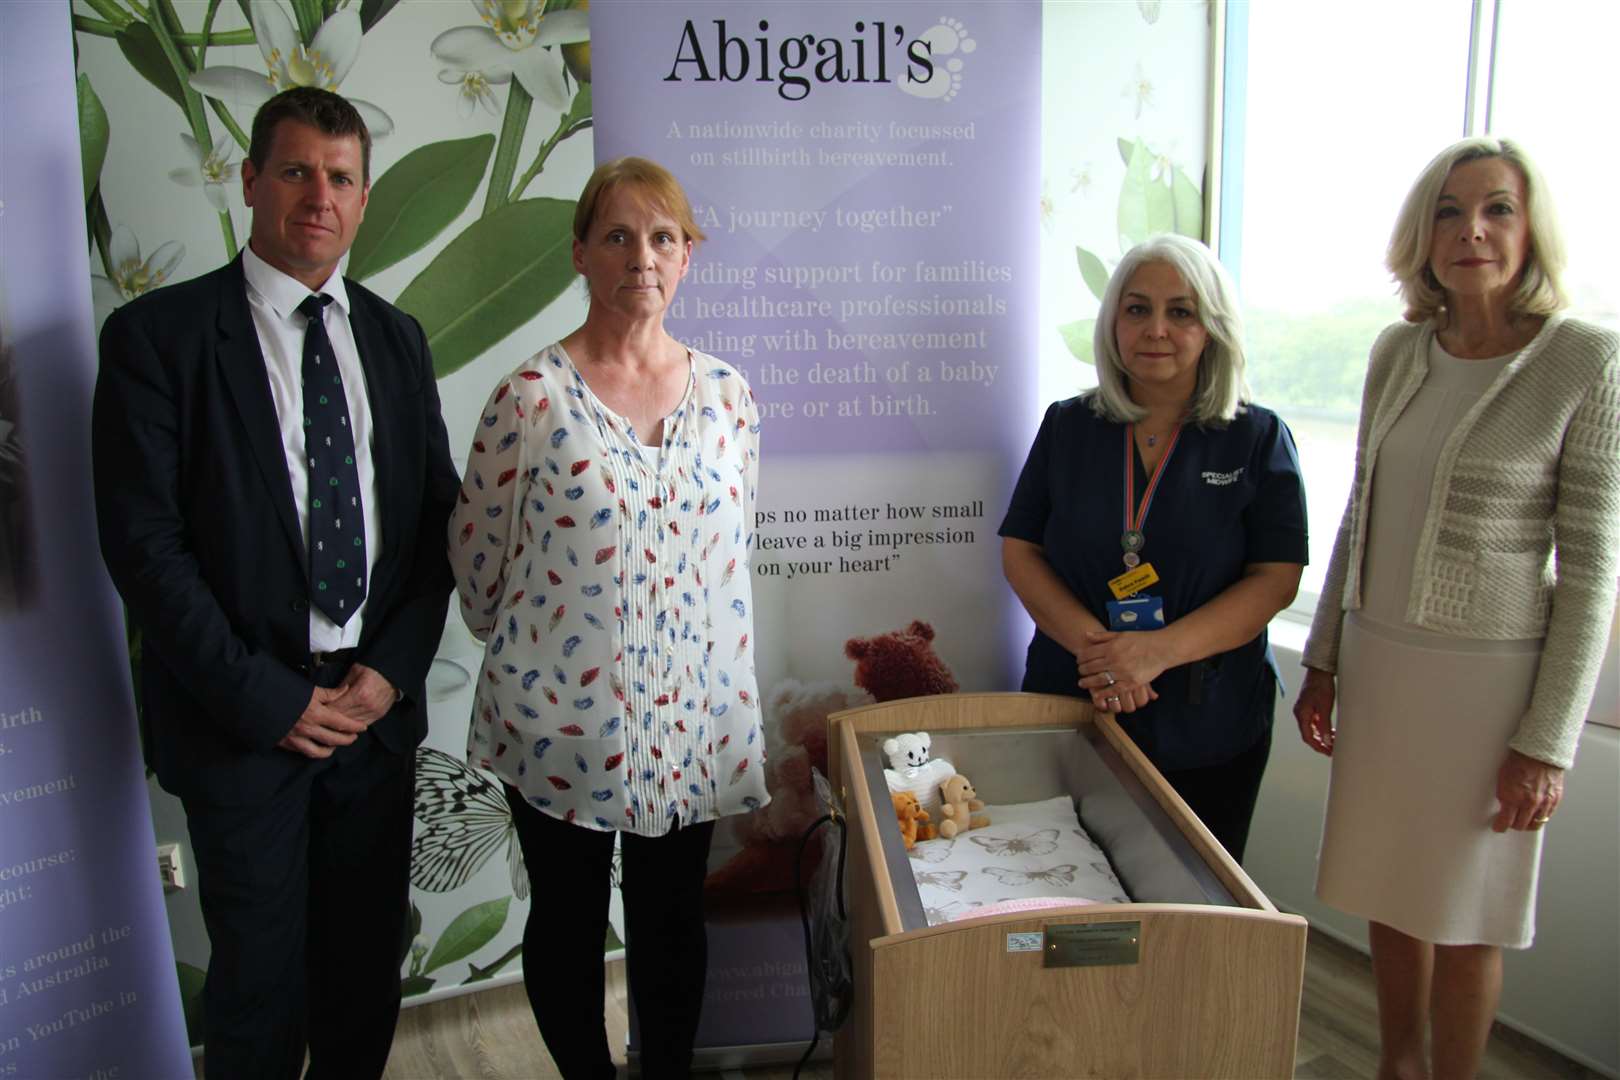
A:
<point x="1540" y="291"/>
<point x="1221" y="389"/>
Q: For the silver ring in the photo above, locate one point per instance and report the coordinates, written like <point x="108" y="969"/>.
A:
<point x="1109" y="675"/>
<point x="1112" y="697"/>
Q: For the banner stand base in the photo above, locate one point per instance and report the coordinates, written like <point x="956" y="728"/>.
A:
<point x="721" y="1058"/>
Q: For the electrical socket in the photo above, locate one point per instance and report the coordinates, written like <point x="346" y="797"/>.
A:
<point x="169" y="869"/>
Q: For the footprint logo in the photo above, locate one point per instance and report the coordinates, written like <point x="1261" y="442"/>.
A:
<point x="948" y="41"/>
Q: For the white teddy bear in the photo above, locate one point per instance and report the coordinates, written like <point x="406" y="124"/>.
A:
<point x="911" y="769"/>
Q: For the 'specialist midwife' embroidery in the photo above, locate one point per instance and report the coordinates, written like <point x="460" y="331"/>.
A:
<point x="1221" y="479"/>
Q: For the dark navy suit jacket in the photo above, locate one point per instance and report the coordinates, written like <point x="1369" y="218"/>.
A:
<point x="200" y="533"/>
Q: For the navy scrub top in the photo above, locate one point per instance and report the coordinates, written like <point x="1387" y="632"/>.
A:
<point x="1228" y="496"/>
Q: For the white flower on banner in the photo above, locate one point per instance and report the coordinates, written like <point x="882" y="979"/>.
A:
<point x="1082" y="180"/>
<point x="475" y="89"/>
<point x="1140" y="88"/>
<point x="212" y="169"/>
<point x="290" y="63"/>
<point x="131" y="274"/>
<point x="511" y="43"/>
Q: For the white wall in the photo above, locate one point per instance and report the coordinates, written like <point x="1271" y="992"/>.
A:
<point x="1565" y="990"/>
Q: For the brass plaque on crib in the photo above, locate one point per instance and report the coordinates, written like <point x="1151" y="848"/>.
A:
<point x="1093" y="944"/>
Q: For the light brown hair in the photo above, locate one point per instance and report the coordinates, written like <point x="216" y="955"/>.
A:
<point x="652" y="181"/>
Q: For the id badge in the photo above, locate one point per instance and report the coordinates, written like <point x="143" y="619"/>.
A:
<point x="1136" y="613"/>
<point x="1133" y="581"/>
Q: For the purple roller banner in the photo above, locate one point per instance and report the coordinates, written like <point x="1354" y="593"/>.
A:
<point x="866" y="174"/>
<point x="868" y="177"/>
<point x="87" y="975"/>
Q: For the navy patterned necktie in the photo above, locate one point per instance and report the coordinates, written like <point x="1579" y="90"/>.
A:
<point x="337" y="531"/>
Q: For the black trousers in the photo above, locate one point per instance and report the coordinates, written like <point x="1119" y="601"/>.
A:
<point x="666" y="945"/>
<point x="1223" y="796"/>
<point x="306" y="901"/>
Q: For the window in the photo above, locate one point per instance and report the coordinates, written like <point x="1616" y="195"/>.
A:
<point x="1552" y="81"/>
<point x="1331" y="112"/>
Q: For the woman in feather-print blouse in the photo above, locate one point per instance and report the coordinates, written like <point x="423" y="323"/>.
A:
<point x="601" y="550"/>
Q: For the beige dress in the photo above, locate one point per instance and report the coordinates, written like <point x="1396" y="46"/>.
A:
<point x="1424" y="722"/>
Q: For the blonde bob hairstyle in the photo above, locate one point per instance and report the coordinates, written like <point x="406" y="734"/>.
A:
<point x="1540" y="291"/>
<point x="1221" y="390"/>
<point x="652" y="182"/>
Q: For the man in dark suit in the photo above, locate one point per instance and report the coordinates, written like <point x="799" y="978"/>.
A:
<point x="272" y="482"/>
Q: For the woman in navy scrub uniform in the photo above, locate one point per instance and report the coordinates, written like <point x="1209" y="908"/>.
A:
<point x="1158" y="525"/>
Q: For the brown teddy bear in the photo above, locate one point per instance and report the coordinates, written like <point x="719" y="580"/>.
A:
<point x="959" y="803"/>
<point x="796" y="740"/>
<point x="900" y="665"/>
<point x="913" y="819"/>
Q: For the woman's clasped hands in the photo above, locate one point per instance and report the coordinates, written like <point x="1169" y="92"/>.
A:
<point x="1118" y="668"/>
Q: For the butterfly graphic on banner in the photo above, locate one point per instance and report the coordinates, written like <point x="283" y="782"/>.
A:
<point x="465" y="819"/>
<point x="1043" y="842"/>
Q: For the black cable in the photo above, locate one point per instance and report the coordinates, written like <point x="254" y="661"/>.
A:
<point x="804" y="919"/>
<point x="814" y="1039"/>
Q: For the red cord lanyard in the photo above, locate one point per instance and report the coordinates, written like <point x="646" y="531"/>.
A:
<point x="1132" y="540"/>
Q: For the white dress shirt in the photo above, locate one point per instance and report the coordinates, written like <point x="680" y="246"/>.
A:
<point x="273" y="298"/>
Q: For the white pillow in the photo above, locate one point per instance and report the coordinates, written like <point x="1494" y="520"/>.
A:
<point x="923" y="782"/>
<point x="1028" y="851"/>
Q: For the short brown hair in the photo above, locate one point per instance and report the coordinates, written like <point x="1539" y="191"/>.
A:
<point x="655" y="181"/>
<point x="326" y="112"/>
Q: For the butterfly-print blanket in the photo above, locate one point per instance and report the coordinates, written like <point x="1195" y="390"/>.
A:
<point x="1029" y="851"/>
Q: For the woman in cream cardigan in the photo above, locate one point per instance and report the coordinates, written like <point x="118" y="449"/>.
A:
<point x="1468" y="600"/>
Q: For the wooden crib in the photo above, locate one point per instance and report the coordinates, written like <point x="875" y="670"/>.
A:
<point x="1199" y="977"/>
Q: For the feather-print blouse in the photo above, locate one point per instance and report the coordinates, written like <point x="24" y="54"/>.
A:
<point x="610" y="583"/>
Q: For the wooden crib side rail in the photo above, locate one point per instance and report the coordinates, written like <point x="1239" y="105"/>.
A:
<point x="1214" y="993"/>
<point x="869" y="875"/>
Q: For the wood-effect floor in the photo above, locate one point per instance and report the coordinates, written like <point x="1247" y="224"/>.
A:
<point x="492" y="1036"/>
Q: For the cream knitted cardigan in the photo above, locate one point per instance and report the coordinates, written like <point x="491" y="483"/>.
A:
<point x="1521" y="538"/>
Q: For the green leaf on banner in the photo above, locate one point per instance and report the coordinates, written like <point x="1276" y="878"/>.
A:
<point x="140" y="47"/>
<point x="580" y="110"/>
<point x="191" y="999"/>
<point x="1133" y="198"/>
<point x="1078" y="337"/>
<point x="411" y="985"/>
<point x="94" y="131"/>
<point x="468" y="932"/>
<point x="372" y="11"/>
<point x="1126" y="146"/>
<point x="1161" y="208"/>
<point x="498" y="274"/>
<point x="415" y="201"/>
<point x="308" y="16"/>
<point x="479" y="974"/>
<point x="1093" y="271"/>
<point x="1189" y="205"/>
